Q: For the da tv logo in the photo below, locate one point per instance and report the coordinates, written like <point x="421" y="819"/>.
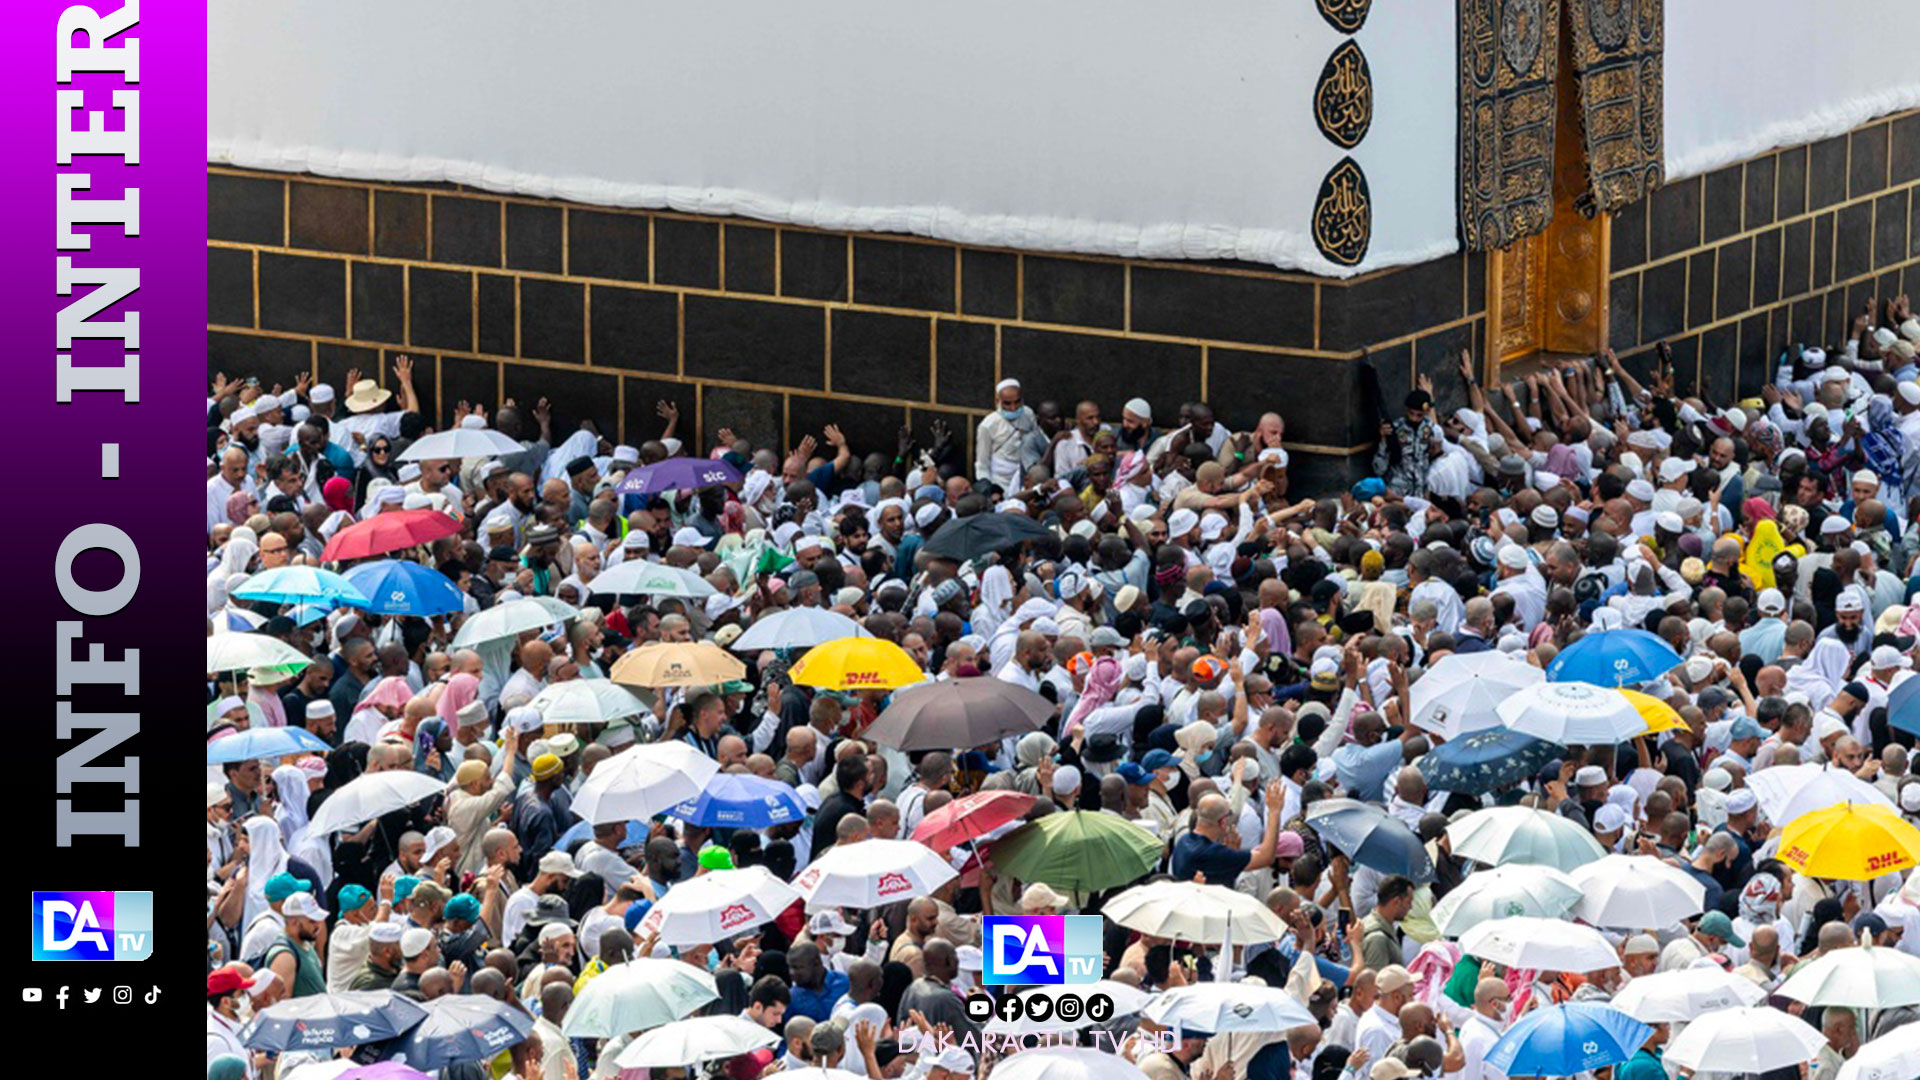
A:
<point x="1024" y="950"/>
<point x="92" y="925"/>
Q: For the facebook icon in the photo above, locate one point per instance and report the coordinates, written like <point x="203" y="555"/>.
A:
<point x="92" y="925"/>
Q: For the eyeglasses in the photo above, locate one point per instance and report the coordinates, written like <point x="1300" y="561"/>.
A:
<point x="379" y="448"/>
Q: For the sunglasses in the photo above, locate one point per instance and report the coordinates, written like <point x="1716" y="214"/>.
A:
<point x="379" y="448"/>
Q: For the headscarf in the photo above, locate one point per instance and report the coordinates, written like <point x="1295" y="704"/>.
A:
<point x="1821" y="675"/>
<point x="461" y="690"/>
<point x="1103" y="681"/>
<point x="1273" y="623"/>
<point x="1562" y="463"/>
<point x="1760" y="900"/>
<point x="216" y="592"/>
<point x="273" y="713"/>
<point x="996" y="600"/>
<point x="1196" y="740"/>
<point x="238" y="555"/>
<point x="290" y="788"/>
<point x="227" y="1067"/>
<point x="338" y="493"/>
<point x="1762" y="431"/>
<point x="391" y="690"/>
<point x="266" y="856"/>
<point x="1766" y="545"/>
<point x="237" y="504"/>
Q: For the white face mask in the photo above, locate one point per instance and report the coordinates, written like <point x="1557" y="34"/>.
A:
<point x="830" y="947"/>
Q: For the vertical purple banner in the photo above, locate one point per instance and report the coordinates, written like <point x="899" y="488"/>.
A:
<point x="104" y="631"/>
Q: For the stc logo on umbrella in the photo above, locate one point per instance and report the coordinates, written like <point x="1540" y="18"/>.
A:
<point x="92" y="925"/>
<point x="1028" y="950"/>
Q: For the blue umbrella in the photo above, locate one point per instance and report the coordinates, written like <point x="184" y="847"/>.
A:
<point x="325" y="1021"/>
<point x="1369" y="836"/>
<point x="398" y="587"/>
<point x="301" y="584"/>
<point x="1567" y="1040"/>
<point x="1614" y="658"/>
<point x="270" y="742"/>
<point x="739" y="801"/>
<point x="678" y="474"/>
<point x="1484" y="761"/>
<point x="459" y="1028"/>
<point x="1903" y="706"/>
<point x="583" y="830"/>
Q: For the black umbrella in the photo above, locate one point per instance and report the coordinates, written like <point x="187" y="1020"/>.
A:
<point x="958" y="714"/>
<point x="459" y="1028"/>
<point x="324" y="1021"/>
<point x="1371" y="837"/>
<point x="970" y="537"/>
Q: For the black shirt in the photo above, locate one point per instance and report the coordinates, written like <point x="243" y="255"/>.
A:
<point x="826" y="823"/>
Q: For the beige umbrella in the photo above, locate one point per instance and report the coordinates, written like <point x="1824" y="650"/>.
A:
<point x="700" y="663"/>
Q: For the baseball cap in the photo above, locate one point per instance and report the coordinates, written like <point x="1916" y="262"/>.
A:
<point x="1156" y="759"/>
<point x="403" y="887"/>
<point x="1389" y="1068"/>
<point x="226" y="980"/>
<point x="1609" y="818"/>
<point x="302" y="905"/>
<point x="1716" y="924"/>
<point x="352" y="898"/>
<point x="464" y="906"/>
<point x="1105" y="637"/>
<point x="281" y="886"/>
<point x="217" y="794"/>
<point x="1039" y="895"/>
<point x="1849" y="600"/>
<point x="1771" y="602"/>
<point x="1391" y="978"/>
<point x="715" y="857"/>
<point x="1886" y="656"/>
<point x="1746" y="727"/>
<point x="415" y="941"/>
<point x="829" y="922"/>
<point x="1138" y="776"/>
<point x="556" y="862"/>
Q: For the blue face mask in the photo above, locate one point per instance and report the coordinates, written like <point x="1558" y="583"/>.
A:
<point x="1202" y="760"/>
<point x="1010" y="414"/>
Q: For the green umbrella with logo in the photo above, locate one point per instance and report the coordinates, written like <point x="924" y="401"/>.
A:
<point x="1081" y="851"/>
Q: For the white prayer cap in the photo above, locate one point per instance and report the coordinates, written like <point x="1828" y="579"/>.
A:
<point x="241" y="415"/>
<point x="300" y="413"/>
<point x="1513" y="557"/>
<point x="409" y="472"/>
<point x="1212" y="526"/>
<point x="626" y="455"/>
<point x="1065" y="779"/>
<point x="391" y="495"/>
<point x="492" y="468"/>
<point x="1142" y="513"/>
<point x="673" y="446"/>
<point x="1139" y="408"/>
<point x="288" y="400"/>
<point x="1006" y="384"/>
<point x="1640" y="490"/>
<point x="417" y="501"/>
<point x="752" y="486"/>
<point x="498" y="521"/>
<point x="926" y="515"/>
<point x="1010" y="506"/>
<point x="1834" y="523"/>
<point x="1884" y="337"/>
<point x="1867" y="476"/>
<point x="1669" y="521"/>
<point x="809" y="543"/>
<point x="473" y="422"/>
<point x="1910" y="392"/>
<point x="320" y="394"/>
<point x="1814" y="357"/>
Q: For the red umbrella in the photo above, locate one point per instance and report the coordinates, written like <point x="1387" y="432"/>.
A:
<point x="970" y="818"/>
<point x="394" y="530"/>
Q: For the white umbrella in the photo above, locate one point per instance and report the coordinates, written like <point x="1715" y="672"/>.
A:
<point x="1064" y="1063"/>
<point x="1862" y="977"/>
<point x="460" y="443"/>
<point x="639" y="577"/>
<point x="1126" y="1000"/>
<point x="871" y="873"/>
<point x="586" y="701"/>
<point x="1542" y="944"/>
<point x="367" y="797"/>
<point x="1220" y="1007"/>
<point x="640" y="994"/>
<point x="1460" y="694"/>
<point x="1787" y="791"/>
<point x="797" y="628"/>
<point x="1684" y="995"/>
<point x="1518" y="834"/>
<point x="1749" y="1039"/>
<point x="817" y="1073"/>
<point x="708" y="908"/>
<point x="1501" y="892"/>
<point x="510" y="619"/>
<point x="1636" y="892"/>
<point x="649" y="779"/>
<point x="557" y="609"/>
<point x="1893" y="1056"/>
<point x="695" y="1042"/>
<point x="1572" y="714"/>
<point x="1190" y="911"/>
<point x="236" y="652"/>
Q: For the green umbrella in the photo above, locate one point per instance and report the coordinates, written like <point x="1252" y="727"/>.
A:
<point x="1081" y="851"/>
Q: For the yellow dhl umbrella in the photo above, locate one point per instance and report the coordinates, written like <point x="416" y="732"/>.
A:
<point x="857" y="664"/>
<point x="698" y="663"/>
<point x="1659" y="715"/>
<point x="1850" y="842"/>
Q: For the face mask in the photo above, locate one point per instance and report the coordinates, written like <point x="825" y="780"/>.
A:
<point x="830" y="948"/>
<point x="1010" y="414"/>
<point x="1203" y="760"/>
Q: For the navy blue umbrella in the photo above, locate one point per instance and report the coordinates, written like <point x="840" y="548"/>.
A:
<point x="1484" y="761"/>
<point x="1371" y="837"/>
<point x="1903" y="706"/>
<point x="459" y="1028"/>
<point x="398" y="587"/>
<point x="325" y="1021"/>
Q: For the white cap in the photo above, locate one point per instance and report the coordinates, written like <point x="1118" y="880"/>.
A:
<point x="409" y="472"/>
<point x="1139" y="408"/>
<point x="320" y="394"/>
<point x="926" y="515"/>
<point x="1849" y="600"/>
<point x="415" y="941"/>
<point x="953" y="1059"/>
<point x="556" y="862"/>
<point x="1212" y="526"/>
<point x="1589" y="776"/>
<point x="386" y="932"/>
<point x="1884" y="337"/>
<point x="1640" y="490"/>
<point x="1545" y="516"/>
<point x="828" y="922"/>
<point x="1828" y="726"/>
<point x="1886" y="656"/>
<point x="1513" y="557"/>
<point x="1910" y="392"/>
<point x="302" y="905"/>
<point x="1833" y="524"/>
<point x="1910" y="798"/>
<point x="1867" y="476"/>
<point x="1669" y="522"/>
<point x="217" y="794"/>
<point x="1182" y="522"/>
<point x="1609" y="818"/>
<point x="1741" y="801"/>
<point x="473" y="422"/>
<point x="1674" y="468"/>
<point x="626" y="455"/>
<point x="1771" y="602"/>
<point x="1814" y="357"/>
<point x="1066" y="779"/>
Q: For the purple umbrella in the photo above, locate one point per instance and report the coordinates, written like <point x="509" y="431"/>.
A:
<point x="383" y="1070"/>
<point x="679" y="474"/>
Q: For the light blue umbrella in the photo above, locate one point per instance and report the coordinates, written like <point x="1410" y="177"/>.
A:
<point x="399" y="587"/>
<point x="1567" y="1040"/>
<point x="1614" y="658"/>
<point x="269" y="742"/>
<point x="738" y="801"/>
<point x="300" y="585"/>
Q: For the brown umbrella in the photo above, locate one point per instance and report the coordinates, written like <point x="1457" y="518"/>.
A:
<point x="699" y="663"/>
<point x="959" y="714"/>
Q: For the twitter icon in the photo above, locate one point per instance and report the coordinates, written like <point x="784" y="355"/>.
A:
<point x="91" y="996"/>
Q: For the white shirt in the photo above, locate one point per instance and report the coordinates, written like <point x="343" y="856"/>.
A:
<point x="596" y="859"/>
<point x="1449" y="612"/>
<point x="347" y="947"/>
<point x="1477" y="1036"/>
<point x="520" y="906"/>
<point x="223" y="1037"/>
<point x="1378" y="1031"/>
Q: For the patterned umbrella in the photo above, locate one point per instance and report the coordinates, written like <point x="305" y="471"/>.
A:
<point x="1485" y="761"/>
<point x="459" y="1028"/>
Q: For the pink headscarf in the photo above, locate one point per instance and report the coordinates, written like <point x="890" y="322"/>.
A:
<point x="392" y="691"/>
<point x="237" y="504"/>
<point x="338" y="493"/>
<point x="461" y="690"/>
<point x="1273" y="623"/>
<point x="1102" y="682"/>
<point x="1431" y="969"/>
